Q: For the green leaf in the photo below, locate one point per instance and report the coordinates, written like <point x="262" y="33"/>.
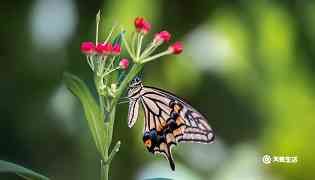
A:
<point x="91" y="109"/>
<point x="158" y="179"/>
<point x="7" y="167"/>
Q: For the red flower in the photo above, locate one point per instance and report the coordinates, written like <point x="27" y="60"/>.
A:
<point x="142" y="25"/>
<point x="87" y="47"/>
<point x="124" y="63"/>
<point x="104" y="48"/>
<point x="162" y="36"/>
<point x="116" y="49"/>
<point x="99" y="48"/>
<point x="176" y="48"/>
<point x="146" y="27"/>
<point x="139" y="21"/>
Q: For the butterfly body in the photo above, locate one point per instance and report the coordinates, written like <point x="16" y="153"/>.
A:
<point x="168" y="120"/>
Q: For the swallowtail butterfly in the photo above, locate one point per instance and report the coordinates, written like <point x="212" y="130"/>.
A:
<point x="168" y="119"/>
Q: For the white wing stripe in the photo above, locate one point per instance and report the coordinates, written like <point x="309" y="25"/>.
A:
<point x="133" y="112"/>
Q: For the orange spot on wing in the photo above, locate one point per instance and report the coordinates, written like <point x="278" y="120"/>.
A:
<point x="159" y="128"/>
<point x="170" y="138"/>
<point x="177" y="108"/>
<point x="177" y="131"/>
<point x="148" y="143"/>
<point x="179" y="121"/>
<point x="163" y="123"/>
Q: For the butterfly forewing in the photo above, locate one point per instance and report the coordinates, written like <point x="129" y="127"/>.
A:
<point x="133" y="111"/>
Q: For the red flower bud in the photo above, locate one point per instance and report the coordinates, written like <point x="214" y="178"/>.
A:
<point x="116" y="49"/>
<point x="124" y="63"/>
<point x="176" y="48"/>
<point x="87" y="47"/>
<point x="99" y="48"/>
<point x="146" y="27"/>
<point x="139" y="21"/>
<point x="104" y="48"/>
<point x="162" y="36"/>
<point x="142" y="25"/>
<point x="108" y="48"/>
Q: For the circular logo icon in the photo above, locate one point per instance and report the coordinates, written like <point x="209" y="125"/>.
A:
<point x="266" y="159"/>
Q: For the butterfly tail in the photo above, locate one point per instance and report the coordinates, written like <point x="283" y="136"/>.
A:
<point x="170" y="158"/>
<point x="171" y="161"/>
<point x="166" y="152"/>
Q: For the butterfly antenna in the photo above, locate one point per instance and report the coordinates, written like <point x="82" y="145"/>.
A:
<point x="141" y="73"/>
<point x="122" y="102"/>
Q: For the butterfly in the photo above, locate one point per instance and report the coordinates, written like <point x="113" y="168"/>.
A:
<point x="168" y="120"/>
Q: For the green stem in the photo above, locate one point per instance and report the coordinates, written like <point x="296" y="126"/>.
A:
<point x="147" y="50"/>
<point x="102" y="171"/>
<point x="136" y="68"/>
<point x="102" y="105"/>
<point x="104" y="166"/>
<point x="105" y="169"/>
<point x="133" y="42"/>
<point x="111" y="125"/>
<point x="98" y="19"/>
<point x="155" y="56"/>
<point x="111" y="64"/>
<point x="127" y="47"/>
<point x="114" y="151"/>
<point x="110" y="33"/>
<point x="110" y="71"/>
<point x="140" y="37"/>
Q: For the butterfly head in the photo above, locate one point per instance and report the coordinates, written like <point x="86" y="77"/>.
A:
<point x="135" y="82"/>
<point x="135" y="86"/>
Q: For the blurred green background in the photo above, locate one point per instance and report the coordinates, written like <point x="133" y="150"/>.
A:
<point x="247" y="65"/>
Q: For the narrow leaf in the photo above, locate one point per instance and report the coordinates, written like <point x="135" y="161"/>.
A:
<point x="91" y="109"/>
<point x="8" y="167"/>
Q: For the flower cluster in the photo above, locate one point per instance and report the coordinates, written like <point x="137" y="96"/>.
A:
<point x="140" y="55"/>
<point x="103" y="60"/>
<point x="100" y="52"/>
<point x="103" y="57"/>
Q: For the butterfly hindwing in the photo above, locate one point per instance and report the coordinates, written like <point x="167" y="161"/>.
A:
<point x="194" y="126"/>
